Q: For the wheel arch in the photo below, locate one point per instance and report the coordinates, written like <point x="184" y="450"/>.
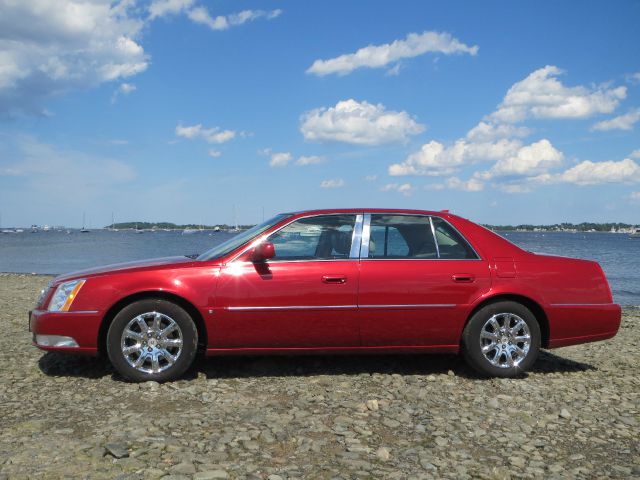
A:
<point x="193" y="312"/>
<point x="535" y="307"/>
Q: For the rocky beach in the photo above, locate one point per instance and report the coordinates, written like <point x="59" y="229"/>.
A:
<point x="576" y="415"/>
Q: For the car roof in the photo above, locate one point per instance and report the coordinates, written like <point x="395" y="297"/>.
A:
<point x="368" y="210"/>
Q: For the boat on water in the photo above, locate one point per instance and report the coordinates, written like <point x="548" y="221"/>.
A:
<point x="84" y="229"/>
<point x="635" y="234"/>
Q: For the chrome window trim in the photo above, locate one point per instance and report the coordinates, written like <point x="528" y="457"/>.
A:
<point x="263" y="236"/>
<point x="271" y="262"/>
<point x="366" y="233"/>
<point x="366" y="236"/>
<point x="356" y="238"/>
<point x="435" y="240"/>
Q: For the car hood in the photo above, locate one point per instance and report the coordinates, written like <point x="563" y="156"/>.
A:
<point x="126" y="266"/>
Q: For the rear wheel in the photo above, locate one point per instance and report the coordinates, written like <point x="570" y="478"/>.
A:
<point x="152" y="339"/>
<point x="502" y="339"/>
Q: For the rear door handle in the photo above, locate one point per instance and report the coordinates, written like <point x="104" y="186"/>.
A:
<point x="334" y="279"/>
<point x="463" y="278"/>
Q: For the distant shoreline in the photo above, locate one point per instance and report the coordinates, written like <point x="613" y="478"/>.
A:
<point x="613" y="227"/>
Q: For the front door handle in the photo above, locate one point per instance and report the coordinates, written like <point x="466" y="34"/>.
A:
<point x="463" y="278"/>
<point x="334" y="279"/>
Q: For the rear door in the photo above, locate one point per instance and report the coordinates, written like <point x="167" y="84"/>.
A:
<point x="417" y="276"/>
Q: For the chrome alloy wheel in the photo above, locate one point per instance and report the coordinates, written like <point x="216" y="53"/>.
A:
<point x="505" y="340"/>
<point x="151" y="342"/>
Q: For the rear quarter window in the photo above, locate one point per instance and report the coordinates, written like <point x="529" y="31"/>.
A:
<point x="451" y="244"/>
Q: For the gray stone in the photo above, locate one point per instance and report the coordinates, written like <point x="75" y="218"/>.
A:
<point x="184" y="468"/>
<point x="211" y="475"/>
<point x="116" y="450"/>
<point x="383" y="454"/>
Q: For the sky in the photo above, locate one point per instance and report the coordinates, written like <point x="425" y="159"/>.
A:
<point x="190" y="110"/>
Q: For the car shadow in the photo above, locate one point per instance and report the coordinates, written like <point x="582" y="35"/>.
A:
<point x="59" y="365"/>
<point x="55" y="364"/>
<point x="406" y="365"/>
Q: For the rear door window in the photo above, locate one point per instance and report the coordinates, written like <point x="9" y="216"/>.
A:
<point x="401" y="237"/>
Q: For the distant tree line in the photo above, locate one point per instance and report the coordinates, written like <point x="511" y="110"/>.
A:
<point x="169" y="225"/>
<point x="580" y="227"/>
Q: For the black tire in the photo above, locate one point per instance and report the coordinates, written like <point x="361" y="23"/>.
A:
<point x="499" y="364"/>
<point x="170" y="365"/>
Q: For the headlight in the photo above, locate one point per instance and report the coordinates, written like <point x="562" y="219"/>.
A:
<point x="65" y="293"/>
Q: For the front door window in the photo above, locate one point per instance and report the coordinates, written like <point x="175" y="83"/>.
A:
<point x="323" y="237"/>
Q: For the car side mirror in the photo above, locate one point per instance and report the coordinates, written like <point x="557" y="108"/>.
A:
<point x="263" y="252"/>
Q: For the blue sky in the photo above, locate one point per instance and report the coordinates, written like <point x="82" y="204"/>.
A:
<point x="182" y="110"/>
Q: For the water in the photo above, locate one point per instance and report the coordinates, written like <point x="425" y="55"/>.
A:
<point x="58" y="252"/>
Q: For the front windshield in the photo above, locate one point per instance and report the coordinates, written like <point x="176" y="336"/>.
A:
<point x="240" y="239"/>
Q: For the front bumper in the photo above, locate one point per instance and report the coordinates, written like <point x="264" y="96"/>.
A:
<point x="73" y="332"/>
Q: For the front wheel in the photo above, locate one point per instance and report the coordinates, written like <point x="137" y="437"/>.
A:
<point x="152" y="339"/>
<point x="502" y="339"/>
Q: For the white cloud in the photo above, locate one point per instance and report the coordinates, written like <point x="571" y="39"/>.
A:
<point x="48" y="48"/>
<point x="635" y="196"/>
<point x="214" y="153"/>
<point x="371" y="178"/>
<point x="333" y="183"/>
<point x="542" y="95"/>
<point x="222" y="22"/>
<point x="635" y="153"/>
<point x="585" y="173"/>
<point x="160" y="8"/>
<point x="634" y="78"/>
<point x="281" y="159"/>
<point x="211" y="135"/>
<point x="378" y="56"/>
<point x="534" y="159"/>
<point x="514" y="187"/>
<point x="434" y="159"/>
<point x="304" y="160"/>
<point x="360" y="123"/>
<point x="488" y="132"/>
<point x="405" y="189"/>
<point x="594" y="173"/>
<point x="124" y="89"/>
<point x="621" y="122"/>
<point x="471" y="185"/>
<point x="393" y="71"/>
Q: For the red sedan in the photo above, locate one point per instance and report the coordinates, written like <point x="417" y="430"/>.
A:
<point x="352" y="280"/>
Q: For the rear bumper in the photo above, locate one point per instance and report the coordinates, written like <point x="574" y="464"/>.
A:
<point x="71" y="332"/>
<point x="572" y="324"/>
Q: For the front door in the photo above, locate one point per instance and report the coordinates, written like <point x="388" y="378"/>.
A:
<point x="306" y="296"/>
<point x="417" y="277"/>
